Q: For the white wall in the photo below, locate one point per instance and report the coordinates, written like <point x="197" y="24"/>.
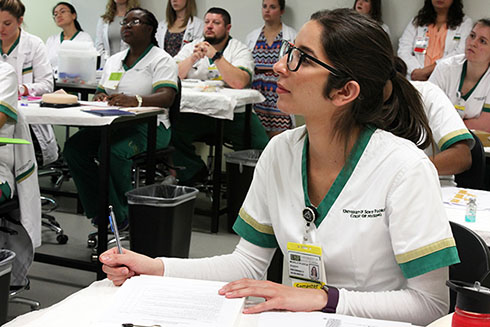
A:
<point x="245" y="14"/>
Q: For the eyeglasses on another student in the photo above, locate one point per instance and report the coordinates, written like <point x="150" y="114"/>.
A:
<point x="132" y="23"/>
<point x="297" y="56"/>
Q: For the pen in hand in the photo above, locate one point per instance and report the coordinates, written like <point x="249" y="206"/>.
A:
<point x="113" y="223"/>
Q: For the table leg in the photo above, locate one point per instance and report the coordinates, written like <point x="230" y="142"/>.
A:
<point x="218" y="153"/>
<point x="247" y="133"/>
<point x="150" y="151"/>
<point x="103" y="216"/>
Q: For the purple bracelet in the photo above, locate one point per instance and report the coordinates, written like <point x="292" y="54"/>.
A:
<point x="333" y="299"/>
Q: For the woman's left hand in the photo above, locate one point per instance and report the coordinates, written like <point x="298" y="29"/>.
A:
<point x="122" y="100"/>
<point x="277" y="296"/>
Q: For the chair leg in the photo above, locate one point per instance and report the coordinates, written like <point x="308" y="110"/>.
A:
<point x="35" y="305"/>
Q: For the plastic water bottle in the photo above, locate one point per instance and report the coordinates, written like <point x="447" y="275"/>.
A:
<point x="470" y="216"/>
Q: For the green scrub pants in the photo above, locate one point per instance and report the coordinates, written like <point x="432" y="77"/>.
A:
<point x="81" y="153"/>
<point x="190" y="128"/>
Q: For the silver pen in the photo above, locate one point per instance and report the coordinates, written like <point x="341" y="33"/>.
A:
<point x="113" y="223"/>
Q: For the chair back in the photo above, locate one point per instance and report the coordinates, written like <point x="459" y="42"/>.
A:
<point x="474" y="255"/>
<point x="475" y="176"/>
<point x="174" y="109"/>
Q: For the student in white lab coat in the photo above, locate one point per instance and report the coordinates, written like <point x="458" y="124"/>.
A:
<point x="108" y="39"/>
<point x="65" y="17"/>
<point x="181" y="26"/>
<point x="465" y="78"/>
<point x="350" y="185"/>
<point x="438" y="31"/>
<point x="371" y="8"/>
<point x="27" y="54"/>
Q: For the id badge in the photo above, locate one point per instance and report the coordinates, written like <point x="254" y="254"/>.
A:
<point x="460" y="106"/>
<point x="421" y="44"/>
<point x="113" y="81"/>
<point x="306" y="268"/>
<point x="213" y="74"/>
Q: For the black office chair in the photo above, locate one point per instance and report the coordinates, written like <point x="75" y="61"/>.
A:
<point x="475" y="259"/>
<point x="475" y="176"/>
<point x="9" y="213"/>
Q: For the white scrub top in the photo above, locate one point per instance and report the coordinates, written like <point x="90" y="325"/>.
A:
<point x="381" y="222"/>
<point x="448" y="76"/>
<point x="154" y="69"/>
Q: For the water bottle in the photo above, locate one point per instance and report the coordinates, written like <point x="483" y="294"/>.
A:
<point x="470" y="216"/>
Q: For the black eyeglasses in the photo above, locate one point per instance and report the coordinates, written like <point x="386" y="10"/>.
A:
<point x="132" y="23"/>
<point x="296" y="57"/>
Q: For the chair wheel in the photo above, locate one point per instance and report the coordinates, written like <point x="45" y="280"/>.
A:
<point x="62" y="238"/>
<point x="92" y="241"/>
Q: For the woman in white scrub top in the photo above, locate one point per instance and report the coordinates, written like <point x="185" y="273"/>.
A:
<point x="465" y="78"/>
<point x="108" y="40"/>
<point x="350" y="185"/>
<point x="438" y="31"/>
<point x="65" y="17"/>
<point x="27" y="54"/>
<point x="181" y="26"/>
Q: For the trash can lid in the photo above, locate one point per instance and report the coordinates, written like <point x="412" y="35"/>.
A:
<point x="6" y="259"/>
<point x="244" y="157"/>
<point x="161" y="195"/>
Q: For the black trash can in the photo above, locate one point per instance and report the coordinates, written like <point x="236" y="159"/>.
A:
<point x="6" y="259"/>
<point x="240" y="166"/>
<point x="160" y="219"/>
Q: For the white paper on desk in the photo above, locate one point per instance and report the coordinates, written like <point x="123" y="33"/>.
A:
<point x="148" y="300"/>
<point x="320" y="319"/>
<point x="94" y="103"/>
<point x="459" y="197"/>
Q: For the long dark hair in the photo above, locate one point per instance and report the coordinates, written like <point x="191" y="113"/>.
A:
<point x="427" y="15"/>
<point x="151" y="21"/>
<point x="375" y="10"/>
<point x="359" y="48"/>
<point x="72" y="10"/>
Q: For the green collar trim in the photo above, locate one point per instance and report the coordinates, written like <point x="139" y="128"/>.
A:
<point x="211" y="62"/>
<point x="461" y="81"/>
<point x="12" y="47"/>
<point x="62" y="36"/>
<point x="342" y="177"/>
<point x="126" y="68"/>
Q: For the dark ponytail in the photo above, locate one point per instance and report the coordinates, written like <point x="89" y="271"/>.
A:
<point x="359" y="48"/>
<point x="73" y="11"/>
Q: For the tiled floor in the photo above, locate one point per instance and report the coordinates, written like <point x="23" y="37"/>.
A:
<point x="50" y="284"/>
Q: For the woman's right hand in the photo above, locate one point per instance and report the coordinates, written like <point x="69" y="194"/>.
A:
<point x="120" y="267"/>
<point x="100" y="97"/>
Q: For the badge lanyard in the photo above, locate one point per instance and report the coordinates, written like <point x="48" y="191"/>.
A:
<point x="306" y="268"/>
<point x="421" y="43"/>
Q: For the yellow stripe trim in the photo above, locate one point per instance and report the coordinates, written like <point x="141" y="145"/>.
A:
<point x="426" y="250"/>
<point x="449" y="136"/>
<point x="26" y="176"/>
<point x="164" y="82"/>
<point x="266" y="229"/>
<point x="486" y="106"/>
<point x="8" y="106"/>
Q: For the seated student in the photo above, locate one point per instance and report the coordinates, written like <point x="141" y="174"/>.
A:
<point x="438" y="31"/>
<point x="465" y="78"/>
<point x="18" y="177"/>
<point x="451" y="154"/>
<point x="27" y="54"/>
<point x="371" y="8"/>
<point x="354" y="168"/>
<point x="65" y="16"/>
<point x="108" y="40"/>
<point x="217" y="56"/>
<point x="148" y="77"/>
<point x="180" y="27"/>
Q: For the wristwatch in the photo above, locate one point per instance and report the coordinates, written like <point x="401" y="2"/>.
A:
<point x="139" y="99"/>
<point x="217" y="55"/>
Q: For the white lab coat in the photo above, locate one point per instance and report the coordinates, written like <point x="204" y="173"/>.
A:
<point x="455" y="42"/>
<point x="102" y="44"/>
<point x="193" y="31"/>
<point x="32" y="57"/>
<point x="288" y="33"/>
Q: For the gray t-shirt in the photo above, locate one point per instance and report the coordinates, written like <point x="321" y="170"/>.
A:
<point x="115" y="35"/>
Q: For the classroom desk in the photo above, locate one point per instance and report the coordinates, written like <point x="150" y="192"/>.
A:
<point x="83" y="89"/>
<point x="221" y="105"/>
<point x="75" y="117"/>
